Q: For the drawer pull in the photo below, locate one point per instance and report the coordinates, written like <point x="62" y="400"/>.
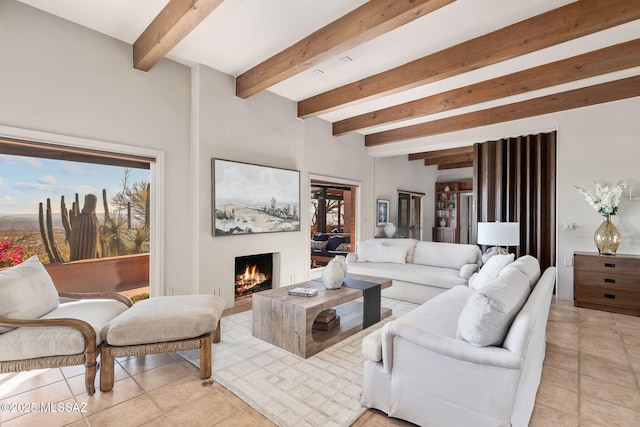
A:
<point x="610" y="264"/>
<point x="609" y="280"/>
<point x="610" y="296"/>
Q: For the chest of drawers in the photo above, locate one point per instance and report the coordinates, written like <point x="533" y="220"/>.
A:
<point x="609" y="283"/>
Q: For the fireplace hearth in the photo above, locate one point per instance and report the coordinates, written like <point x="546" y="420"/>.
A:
<point x="253" y="273"/>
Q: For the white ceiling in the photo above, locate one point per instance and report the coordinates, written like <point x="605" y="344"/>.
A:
<point x="240" y="34"/>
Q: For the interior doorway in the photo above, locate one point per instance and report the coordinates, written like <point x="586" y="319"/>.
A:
<point x="410" y="215"/>
<point x="466" y="216"/>
<point x="333" y="220"/>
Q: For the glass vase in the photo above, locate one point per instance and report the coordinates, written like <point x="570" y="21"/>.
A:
<point x="607" y="237"/>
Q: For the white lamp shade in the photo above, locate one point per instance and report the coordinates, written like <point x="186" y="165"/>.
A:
<point x="499" y="233"/>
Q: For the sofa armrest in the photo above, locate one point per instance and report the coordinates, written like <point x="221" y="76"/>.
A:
<point x="467" y="270"/>
<point x="372" y="346"/>
<point x="445" y="346"/>
<point x="352" y="257"/>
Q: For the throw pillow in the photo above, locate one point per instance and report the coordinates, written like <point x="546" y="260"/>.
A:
<point x="392" y="254"/>
<point x="318" y="245"/>
<point x="488" y="314"/>
<point x="490" y="270"/>
<point x="529" y="266"/>
<point x="26" y="291"/>
<point x="320" y="236"/>
<point x="410" y="244"/>
<point x="334" y="242"/>
<point x="343" y="247"/>
<point x="366" y="251"/>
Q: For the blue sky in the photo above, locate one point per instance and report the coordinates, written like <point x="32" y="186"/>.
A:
<point x="27" y="181"/>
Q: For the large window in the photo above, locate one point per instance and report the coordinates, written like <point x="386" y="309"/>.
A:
<point x="71" y="205"/>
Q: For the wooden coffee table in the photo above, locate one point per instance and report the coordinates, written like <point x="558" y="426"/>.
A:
<point x="287" y="321"/>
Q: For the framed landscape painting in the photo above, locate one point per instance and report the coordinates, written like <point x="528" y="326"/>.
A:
<point x="250" y="198"/>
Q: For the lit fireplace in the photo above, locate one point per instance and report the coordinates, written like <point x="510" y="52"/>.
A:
<point x="253" y="274"/>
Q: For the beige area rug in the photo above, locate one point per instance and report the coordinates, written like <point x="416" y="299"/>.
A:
<point x="323" y="390"/>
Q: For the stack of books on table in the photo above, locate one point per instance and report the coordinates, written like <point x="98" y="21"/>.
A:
<point x="303" y="292"/>
<point x="326" y="320"/>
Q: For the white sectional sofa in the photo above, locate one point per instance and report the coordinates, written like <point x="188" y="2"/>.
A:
<point x="419" y="270"/>
<point x="467" y="357"/>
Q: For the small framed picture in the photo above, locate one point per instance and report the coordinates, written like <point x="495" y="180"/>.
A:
<point x="383" y="212"/>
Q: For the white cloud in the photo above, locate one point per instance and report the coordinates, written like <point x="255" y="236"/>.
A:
<point x="31" y="162"/>
<point x="6" y="201"/>
<point x="47" y="180"/>
<point x="32" y="186"/>
<point x="73" y="169"/>
<point x="3" y="185"/>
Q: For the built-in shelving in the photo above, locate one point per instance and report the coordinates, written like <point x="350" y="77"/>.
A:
<point x="447" y="210"/>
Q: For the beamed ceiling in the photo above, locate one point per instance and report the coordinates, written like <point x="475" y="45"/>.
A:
<point x="392" y="70"/>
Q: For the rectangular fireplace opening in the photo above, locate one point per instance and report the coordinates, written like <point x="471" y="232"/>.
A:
<point x="253" y="273"/>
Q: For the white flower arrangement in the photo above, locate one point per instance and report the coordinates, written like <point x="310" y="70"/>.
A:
<point x="605" y="199"/>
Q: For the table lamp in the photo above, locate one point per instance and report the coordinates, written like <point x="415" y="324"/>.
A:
<point x="498" y="234"/>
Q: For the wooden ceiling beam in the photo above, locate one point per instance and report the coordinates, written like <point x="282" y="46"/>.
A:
<point x="441" y="153"/>
<point x="607" y="60"/>
<point x="456" y="165"/>
<point x="365" y="23"/>
<point x="565" y="23"/>
<point x="590" y="95"/>
<point x="173" y="23"/>
<point x="454" y="158"/>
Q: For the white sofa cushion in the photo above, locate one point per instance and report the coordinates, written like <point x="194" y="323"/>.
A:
<point x="413" y="273"/>
<point x="410" y="244"/>
<point x="393" y="254"/>
<point x="528" y="265"/>
<point x="448" y="255"/>
<point x="490" y="270"/>
<point x="366" y="251"/>
<point x="487" y="315"/>
<point x="370" y="251"/>
<point x="26" y="291"/>
<point x="30" y="343"/>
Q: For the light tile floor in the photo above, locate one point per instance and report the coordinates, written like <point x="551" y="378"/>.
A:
<point x="590" y="378"/>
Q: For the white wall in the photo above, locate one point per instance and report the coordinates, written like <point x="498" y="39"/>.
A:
<point x="261" y="130"/>
<point x="602" y="143"/>
<point x="398" y="173"/>
<point x="61" y="78"/>
<point x="264" y="130"/>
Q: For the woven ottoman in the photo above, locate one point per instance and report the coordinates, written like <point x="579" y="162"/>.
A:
<point x="160" y="325"/>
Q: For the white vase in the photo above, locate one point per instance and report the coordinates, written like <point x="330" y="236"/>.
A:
<point x="333" y="275"/>
<point x="389" y="229"/>
<point x="342" y="260"/>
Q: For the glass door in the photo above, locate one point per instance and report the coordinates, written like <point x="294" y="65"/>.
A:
<point x="409" y="215"/>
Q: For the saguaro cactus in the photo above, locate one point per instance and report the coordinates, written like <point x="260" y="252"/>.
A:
<point x="81" y="229"/>
<point x="46" y="232"/>
<point x="85" y="231"/>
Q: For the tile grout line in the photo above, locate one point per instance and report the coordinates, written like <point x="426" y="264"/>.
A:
<point x="626" y="353"/>
<point x="579" y="406"/>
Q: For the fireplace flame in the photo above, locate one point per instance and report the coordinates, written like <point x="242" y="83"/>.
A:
<point x="250" y="278"/>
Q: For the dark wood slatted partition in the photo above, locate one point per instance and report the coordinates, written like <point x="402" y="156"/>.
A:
<point x="515" y="181"/>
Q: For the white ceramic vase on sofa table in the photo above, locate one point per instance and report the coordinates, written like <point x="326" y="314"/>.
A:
<point x="390" y="229"/>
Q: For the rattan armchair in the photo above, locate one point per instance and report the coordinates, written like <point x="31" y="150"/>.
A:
<point x="52" y="334"/>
